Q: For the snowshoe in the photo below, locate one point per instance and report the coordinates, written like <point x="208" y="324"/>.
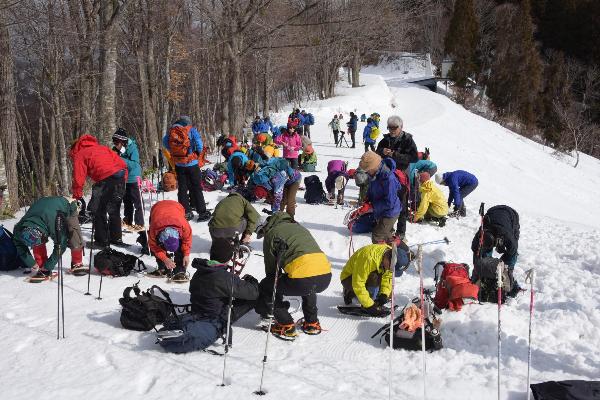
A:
<point x="180" y="277"/>
<point x="283" y="331"/>
<point x="79" y="270"/>
<point x="358" y="311"/>
<point x="41" y="276"/>
<point x="158" y="273"/>
<point x="310" y="328"/>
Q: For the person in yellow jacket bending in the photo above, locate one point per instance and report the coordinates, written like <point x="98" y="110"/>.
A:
<point x="368" y="276"/>
<point x="433" y="205"/>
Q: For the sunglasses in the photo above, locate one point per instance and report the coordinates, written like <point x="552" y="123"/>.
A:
<point x="392" y="128"/>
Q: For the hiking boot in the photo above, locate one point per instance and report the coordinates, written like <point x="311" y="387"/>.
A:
<point x="189" y="215"/>
<point x="442" y="222"/>
<point x="180" y="277"/>
<point x="311" y="328"/>
<point x="79" y="269"/>
<point x="284" y="331"/>
<point x="348" y="298"/>
<point x="516" y="289"/>
<point x="204" y="216"/>
<point x="125" y="225"/>
<point x="462" y="212"/>
<point x="157" y="273"/>
<point x="137" y="228"/>
<point x="40" y="276"/>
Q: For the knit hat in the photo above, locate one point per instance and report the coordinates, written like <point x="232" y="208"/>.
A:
<point x="424" y="177"/>
<point x="221" y="250"/>
<point x="169" y="238"/>
<point x="183" y="120"/>
<point x="439" y="179"/>
<point x="32" y="236"/>
<point x="120" y="134"/>
<point x="370" y="162"/>
<point x="261" y="137"/>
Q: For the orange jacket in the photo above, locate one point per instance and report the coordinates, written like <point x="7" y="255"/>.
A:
<point x="93" y="159"/>
<point x="164" y="214"/>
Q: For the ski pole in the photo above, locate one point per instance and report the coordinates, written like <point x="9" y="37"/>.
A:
<point x="87" y="293"/>
<point x="421" y="295"/>
<point x="530" y="278"/>
<point x="281" y="248"/>
<point x="481" y="213"/>
<point x="392" y="316"/>
<point x="439" y="241"/>
<point x="236" y="246"/>
<point x="60" y="305"/>
<point x="499" y="282"/>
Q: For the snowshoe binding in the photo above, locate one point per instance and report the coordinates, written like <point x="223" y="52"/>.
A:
<point x="41" y="275"/>
<point x="310" y="328"/>
<point x="283" y="331"/>
<point x="180" y="277"/>
<point x="79" y="270"/>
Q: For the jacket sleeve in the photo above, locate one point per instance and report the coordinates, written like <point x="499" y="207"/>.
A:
<point x="131" y="160"/>
<point x="270" y="259"/>
<point x="454" y="191"/>
<point x="243" y="290"/>
<point x="279" y="140"/>
<point x="186" y="240"/>
<point x="230" y="172"/>
<point x="79" y="175"/>
<point x="23" y="252"/>
<point x="423" y="205"/>
<point x="359" y="280"/>
<point x="385" y="287"/>
<point x="380" y="147"/>
<point x="252" y="216"/>
<point x="53" y="259"/>
<point x="412" y="156"/>
<point x="165" y="142"/>
<point x="196" y="140"/>
<point x="366" y="132"/>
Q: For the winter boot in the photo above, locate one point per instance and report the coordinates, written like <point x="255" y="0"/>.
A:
<point x="204" y="216"/>
<point x="78" y="269"/>
<point x="311" y="328"/>
<point x="189" y="215"/>
<point x="284" y="331"/>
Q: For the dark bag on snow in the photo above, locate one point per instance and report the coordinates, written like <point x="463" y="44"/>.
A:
<point x="566" y="390"/>
<point x="406" y="340"/>
<point x="114" y="263"/>
<point x="210" y="180"/>
<point x="9" y="260"/>
<point x="146" y="310"/>
<point x="314" y="194"/>
<point x="485" y="276"/>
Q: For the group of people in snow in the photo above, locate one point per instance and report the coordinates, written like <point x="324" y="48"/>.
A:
<point x="395" y="185"/>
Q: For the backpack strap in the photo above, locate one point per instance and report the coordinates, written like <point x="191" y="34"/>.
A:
<point x="127" y="291"/>
<point x="165" y="294"/>
<point x="436" y="270"/>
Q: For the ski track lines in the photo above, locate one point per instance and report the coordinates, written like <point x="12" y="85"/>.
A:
<point x="559" y="237"/>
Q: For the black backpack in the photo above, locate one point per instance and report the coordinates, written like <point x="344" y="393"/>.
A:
<point x="405" y="340"/>
<point x="146" y="310"/>
<point x="314" y="194"/>
<point x="484" y="276"/>
<point x="114" y="263"/>
<point x="9" y="259"/>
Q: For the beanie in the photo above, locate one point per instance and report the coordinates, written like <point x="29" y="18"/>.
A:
<point x="424" y="177"/>
<point x="183" y="120"/>
<point x="439" y="179"/>
<point x="120" y="134"/>
<point x="370" y="162"/>
<point x="261" y="138"/>
<point x="169" y="238"/>
<point x="221" y="250"/>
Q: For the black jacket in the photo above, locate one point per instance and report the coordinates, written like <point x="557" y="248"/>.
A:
<point x="210" y="289"/>
<point x="404" y="147"/>
<point x="500" y="221"/>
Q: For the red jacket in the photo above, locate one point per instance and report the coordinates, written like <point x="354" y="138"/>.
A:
<point x="164" y="214"/>
<point x="94" y="160"/>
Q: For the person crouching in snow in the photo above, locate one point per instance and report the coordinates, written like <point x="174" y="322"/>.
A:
<point x="38" y="225"/>
<point x="170" y="232"/>
<point x="308" y="159"/>
<point x="367" y="276"/>
<point x="233" y="214"/>
<point x="211" y="287"/>
<point x="432" y="206"/>
<point x="306" y="272"/>
<point x="337" y="177"/>
<point x="461" y="184"/>
<point x="279" y="183"/>
<point x="382" y="194"/>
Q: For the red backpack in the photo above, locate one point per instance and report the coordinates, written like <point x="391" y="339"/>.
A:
<point x="179" y="144"/>
<point x="453" y="285"/>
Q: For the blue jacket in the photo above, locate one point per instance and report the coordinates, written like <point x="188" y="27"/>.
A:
<point x="132" y="159"/>
<point x="455" y="181"/>
<point x="260" y="126"/>
<point x="309" y="119"/>
<point x="277" y="130"/>
<point x="195" y="146"/>
<point x="230" y="170"/>
<point x="418" y="167"/>
<point x="263" y="176"/>
<point x="367" y="133"/>
<point x="383" y="191"/>
<point x="269" y="123"/>
<point x="353" y="123"/>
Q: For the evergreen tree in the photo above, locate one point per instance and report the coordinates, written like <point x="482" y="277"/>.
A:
<point x="556" y="91"/>
<point x="461" y="42"/>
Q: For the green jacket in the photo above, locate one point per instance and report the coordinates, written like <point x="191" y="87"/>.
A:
<point x="303" y="257"/>
<point x="308" y="158"/>
<point x="362" y="263"/>
<point x="42" y="215"/>
<point x="230" y="211"/>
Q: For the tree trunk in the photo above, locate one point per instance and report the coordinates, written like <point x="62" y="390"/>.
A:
<point x="356" y="64"/>
<point x="8" y="125"/>
<point x="236" y="112"/>
<point x="108" y="79"/>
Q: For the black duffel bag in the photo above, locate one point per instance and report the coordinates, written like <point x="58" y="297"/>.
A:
<point x="146" y="310"/>
<point x="114" y="263"/>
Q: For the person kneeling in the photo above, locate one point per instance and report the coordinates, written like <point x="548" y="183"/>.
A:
<point x="367" y="276"/>
<point x="212" y="285"/>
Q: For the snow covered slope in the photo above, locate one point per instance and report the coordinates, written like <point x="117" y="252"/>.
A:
<point x="559" y="237"/>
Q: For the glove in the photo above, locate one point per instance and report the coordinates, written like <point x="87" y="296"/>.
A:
<point x="381" y="299"/>
<point x="250" y="279"/>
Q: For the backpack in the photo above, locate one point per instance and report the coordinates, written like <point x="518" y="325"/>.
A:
<point x="9" y="260"/>
<point x="179" y="143"/>
<point x="146" y="310"/>
<point x="314" y="194"/>
<point x="406" y="340"/>
<point x="485" y="276"/>
<point x="336" y="165"/>
<point x="310" y="118"/>
<point x="375" y="132"/>
<point x="169" y="181"/>
<point x="210" y="180"/>
<point x="453" y="285"/>
<point x="114" y="263"/>
<point x="571" y="390"/>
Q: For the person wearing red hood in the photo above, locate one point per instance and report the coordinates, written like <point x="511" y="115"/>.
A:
<point x="109" y="173"/>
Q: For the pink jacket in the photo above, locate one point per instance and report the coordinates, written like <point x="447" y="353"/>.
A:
<point x="291" y="144"/>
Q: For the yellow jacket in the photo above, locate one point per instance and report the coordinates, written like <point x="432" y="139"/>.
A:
<point x="433" y="201"/>
<point x="364" y="261"/>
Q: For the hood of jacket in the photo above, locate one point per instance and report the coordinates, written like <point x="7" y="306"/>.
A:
<point x="83" y="142"/>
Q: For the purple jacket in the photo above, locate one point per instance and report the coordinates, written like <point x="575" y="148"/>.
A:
<point x="291" y="144"/>
<point x="383" y="191"/>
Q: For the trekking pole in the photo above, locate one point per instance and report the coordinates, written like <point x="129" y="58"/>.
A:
<point x="146" y="227"/>
<point x="421" y="295"/>
<point x="481" y="213"/>
<point x="392" y="316"/>
<point x="530" y="276"/>
<point x="236" y="246"/>
<point x="281" y="247"/>
<point x="60" y="303"/>
<point x="87" y="293"/>
<point x="439" y="241"/>
<point x="499" y="283"/>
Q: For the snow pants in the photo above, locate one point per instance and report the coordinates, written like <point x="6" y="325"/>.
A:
<point x="107" y="196"/>
<point x="383" y="231"/>
<point x="188" y="181"/>
<point x="464" y="192"/>
<point x="133" y="200"/>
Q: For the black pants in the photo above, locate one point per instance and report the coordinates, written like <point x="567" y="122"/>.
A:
<point x="307" y="288"/>
<point x="371" y="145"/>
<point x="178" y="262"/>
<point x="353" y="137"/>
<point x="188" y="181"/>
<point x="401" y="226"/>
<point x="107" y="196"/>
<point x="131" y="200"/>
<point x="293" y="162"/>
<point x="335" y="137"/>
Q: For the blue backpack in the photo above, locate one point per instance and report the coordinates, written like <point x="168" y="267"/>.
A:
<point x="9" y="260"/>
<point x="310" y="119"/>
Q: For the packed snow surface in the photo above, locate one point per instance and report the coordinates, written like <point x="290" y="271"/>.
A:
<point x="558" y="205"/>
